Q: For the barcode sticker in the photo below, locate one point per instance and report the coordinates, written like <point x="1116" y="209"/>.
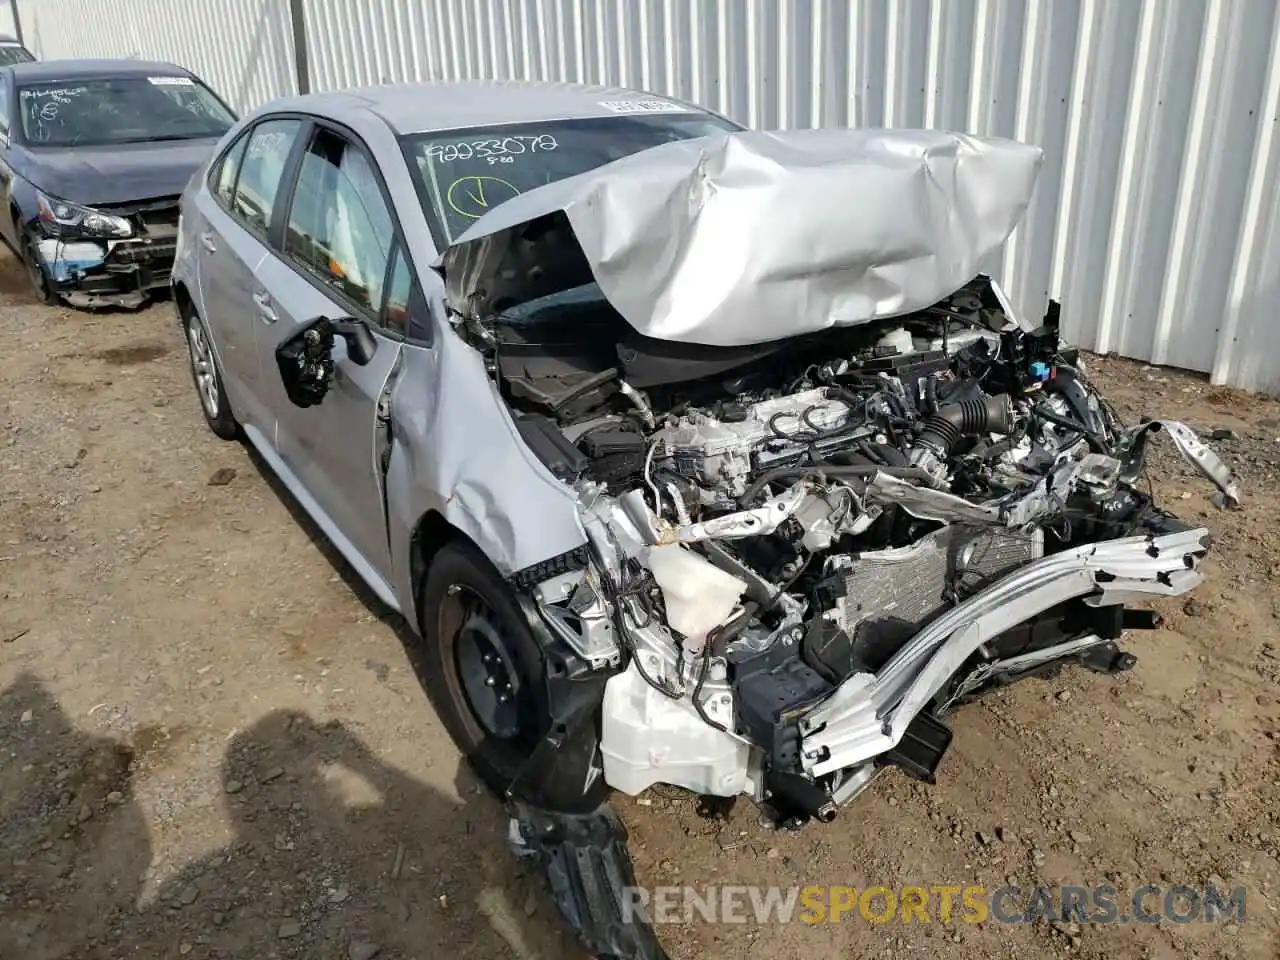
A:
<point x="642" y="105"/>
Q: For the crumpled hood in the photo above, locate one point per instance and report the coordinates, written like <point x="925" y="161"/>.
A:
<point x="749" y="237"/>
<point x="117" y="174"/>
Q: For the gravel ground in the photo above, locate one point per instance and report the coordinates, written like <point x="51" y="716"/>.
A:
<point x="213" y="742"/>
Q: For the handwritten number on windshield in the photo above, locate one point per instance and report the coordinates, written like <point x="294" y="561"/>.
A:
<point x="493" y="149"/>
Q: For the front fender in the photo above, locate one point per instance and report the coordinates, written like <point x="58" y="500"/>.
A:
<point x="456" y="452"/>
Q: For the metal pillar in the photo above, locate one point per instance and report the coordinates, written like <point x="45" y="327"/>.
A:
<point x="301" y="62"/>
<point x="17" y="21"/>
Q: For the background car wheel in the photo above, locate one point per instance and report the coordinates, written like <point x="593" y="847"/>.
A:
<point x="486" y="676"/>
<point x="208" y="379"/>
<point x="37" y="275"/>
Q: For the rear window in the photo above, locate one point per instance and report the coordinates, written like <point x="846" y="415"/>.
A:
<point x="463" y="174"/>
<point x="135" y="109"/>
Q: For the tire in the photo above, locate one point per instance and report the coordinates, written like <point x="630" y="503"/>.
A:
<point x="37" y="275"/>
<point x="460" y="586"/>
<point x="207" y="377"/>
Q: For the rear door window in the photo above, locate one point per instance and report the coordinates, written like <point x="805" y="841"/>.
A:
<point x="266" y="153"/>
<point x="224" y="177"/>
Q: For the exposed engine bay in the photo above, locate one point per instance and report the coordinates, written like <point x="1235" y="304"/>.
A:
<point x="813" y="483"/>
<point x="773" y="529"/>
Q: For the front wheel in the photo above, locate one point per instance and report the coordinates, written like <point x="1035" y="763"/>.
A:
<point x="37" y="275"/>
<point x="487" y="677"/>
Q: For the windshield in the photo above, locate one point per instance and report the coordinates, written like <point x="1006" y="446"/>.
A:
<point x="463" y="174"/>
<point x="13" y="53"/>
<point x="120" y="110"/>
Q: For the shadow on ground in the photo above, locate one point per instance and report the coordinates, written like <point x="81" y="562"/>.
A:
<point x="333" y="854"/>
<point x="396" y="622"/>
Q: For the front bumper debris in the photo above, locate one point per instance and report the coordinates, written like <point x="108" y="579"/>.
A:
<point x="106" y="273"/>
<point x="868" y="715"/>
<point x="91" y="272"/>
<point x="585" y="859"/>
<point x="1193" y="450"/>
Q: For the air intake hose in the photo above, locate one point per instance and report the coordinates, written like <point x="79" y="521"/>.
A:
<point x="944" y="429"/>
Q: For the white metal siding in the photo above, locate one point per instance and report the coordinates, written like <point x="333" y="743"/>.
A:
<point x="243" y="48"/>
<point x="1157" y="218"/>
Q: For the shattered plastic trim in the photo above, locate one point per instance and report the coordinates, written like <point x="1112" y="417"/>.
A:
<point x="82" y="270"/>
<point x="68" y="259"/>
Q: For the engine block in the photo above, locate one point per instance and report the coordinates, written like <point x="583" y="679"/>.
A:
<point x="719" y="453"/>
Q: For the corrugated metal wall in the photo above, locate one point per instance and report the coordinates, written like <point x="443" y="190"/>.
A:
<point x="1157" y="213"/>
<point x="244" y="48"/>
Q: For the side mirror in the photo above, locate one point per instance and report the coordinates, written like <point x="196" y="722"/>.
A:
<point x="306" y="358"/>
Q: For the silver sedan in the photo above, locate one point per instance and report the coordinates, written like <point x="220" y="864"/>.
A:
<point x="695" y="456"/>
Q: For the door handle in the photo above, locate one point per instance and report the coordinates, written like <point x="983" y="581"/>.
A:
<point x="265" y="310"/>
<point x="209" y="244"/>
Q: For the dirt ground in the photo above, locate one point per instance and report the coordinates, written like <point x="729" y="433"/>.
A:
<point x="213" y="743"/>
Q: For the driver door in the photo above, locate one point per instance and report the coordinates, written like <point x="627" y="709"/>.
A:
<point x="337" y="257"/>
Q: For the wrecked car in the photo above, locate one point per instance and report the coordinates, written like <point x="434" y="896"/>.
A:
<point x="96" y="155"/>
<point x="695" y="456"/>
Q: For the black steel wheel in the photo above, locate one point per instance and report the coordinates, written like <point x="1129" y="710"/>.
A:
<point x="490" y="669"/>
<point x="487" y="677"/>
<point x="484" y="668"/>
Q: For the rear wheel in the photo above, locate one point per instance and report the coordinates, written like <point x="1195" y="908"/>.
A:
<point x="208" y="378"/>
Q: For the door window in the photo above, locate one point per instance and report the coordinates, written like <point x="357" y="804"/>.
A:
<point x="224" y="177"/>
<point x="4" y="106"/>
<point x="340" y="228"/>
<point x="396" y="311"/>
<point x="260" y="172"/>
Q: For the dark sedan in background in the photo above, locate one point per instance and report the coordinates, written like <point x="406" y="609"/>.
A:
<point x="94" y="155"/>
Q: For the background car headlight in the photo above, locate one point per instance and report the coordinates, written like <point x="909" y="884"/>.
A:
<point x="61" y="218"/>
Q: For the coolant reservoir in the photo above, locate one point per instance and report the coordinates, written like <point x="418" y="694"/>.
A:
<point x="899" y="339"/>
<point x="698" y="595"/>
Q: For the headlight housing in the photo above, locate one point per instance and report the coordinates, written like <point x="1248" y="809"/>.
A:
<point x="61" y="218"/>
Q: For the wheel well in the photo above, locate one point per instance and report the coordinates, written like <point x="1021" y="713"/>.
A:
<point x="15" y="215"/>
<point x="431" y="534"/>
<point x="182" y="297"/>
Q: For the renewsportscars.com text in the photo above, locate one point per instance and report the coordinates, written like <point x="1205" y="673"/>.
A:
<point x="945" y="903"/>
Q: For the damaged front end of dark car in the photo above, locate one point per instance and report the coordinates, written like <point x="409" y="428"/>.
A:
<point x="830" y="484"/>
<point x="108" y="256"/>
<point x="97" y="157"/>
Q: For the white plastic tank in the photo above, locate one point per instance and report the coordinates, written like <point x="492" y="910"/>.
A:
<point x="900" y="339"/>
<point x="698" y="595"/>
<point x="647" y="738"/>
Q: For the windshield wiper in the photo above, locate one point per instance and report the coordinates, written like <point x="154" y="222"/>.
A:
<point x="169" y="136"/>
